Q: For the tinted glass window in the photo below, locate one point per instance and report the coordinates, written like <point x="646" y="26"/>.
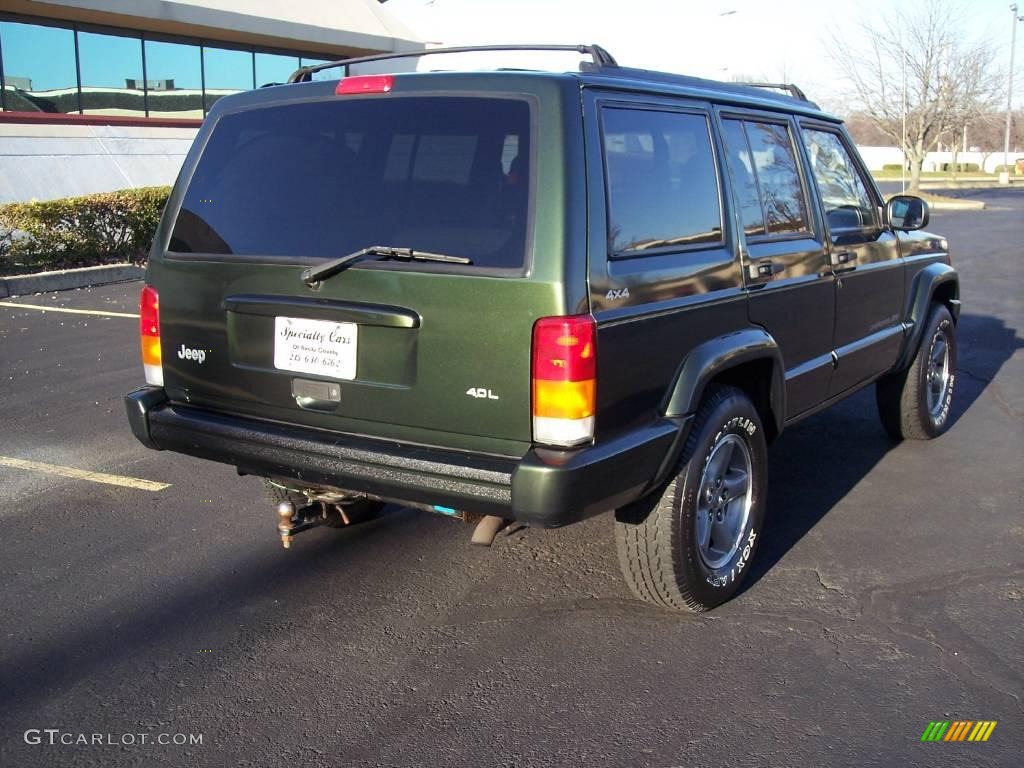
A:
<point x="741" y="169"/>
<point x="662" y="185"/>
<point x="782" y="196"/>
<point x="226" y="71"/>
<point x="329" y="178"/>
<point x="39" y="68"/>
<point x="174" y="79"/>
<point x="843" y="192"/>
<point x="111" y="75"/>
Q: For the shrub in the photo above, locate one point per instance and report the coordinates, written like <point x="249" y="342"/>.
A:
<point x="961" y="167"/>
<point x="79" y="231"/>
<point x="892" y="167"/>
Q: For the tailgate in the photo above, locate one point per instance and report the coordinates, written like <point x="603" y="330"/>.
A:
<point x="438" y="359"/>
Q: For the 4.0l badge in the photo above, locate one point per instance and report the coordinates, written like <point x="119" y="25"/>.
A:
<point x="481" y="393"/>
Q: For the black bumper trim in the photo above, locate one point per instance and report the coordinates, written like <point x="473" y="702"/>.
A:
<point x="545" y="488"/>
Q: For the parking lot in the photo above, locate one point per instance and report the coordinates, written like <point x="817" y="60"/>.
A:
<point x="155" y="598"/>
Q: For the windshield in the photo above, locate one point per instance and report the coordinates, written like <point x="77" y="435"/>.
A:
<point x="321" y="179"/>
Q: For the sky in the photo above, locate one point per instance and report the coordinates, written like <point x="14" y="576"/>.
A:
<point x="721" y="39"/>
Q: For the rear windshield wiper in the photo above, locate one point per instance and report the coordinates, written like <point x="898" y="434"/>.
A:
<point x="314" y="275"/>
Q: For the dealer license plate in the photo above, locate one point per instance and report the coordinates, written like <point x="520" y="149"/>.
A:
<point x="319" y="347"/>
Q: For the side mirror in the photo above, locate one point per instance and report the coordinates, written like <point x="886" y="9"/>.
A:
<point x="906" y="212"/>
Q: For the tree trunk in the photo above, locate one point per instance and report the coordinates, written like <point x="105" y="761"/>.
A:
<point x="916" y="160"/>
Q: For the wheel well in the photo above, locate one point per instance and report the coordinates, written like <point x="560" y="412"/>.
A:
<point x="946" y="293"/>
<point x="755" y="379"/>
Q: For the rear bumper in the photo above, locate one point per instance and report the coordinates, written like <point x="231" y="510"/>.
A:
<point x="546" y="488"/>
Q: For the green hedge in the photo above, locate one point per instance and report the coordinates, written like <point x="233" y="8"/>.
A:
<point x="79" y="231"/>
<point x="961" y="167"/>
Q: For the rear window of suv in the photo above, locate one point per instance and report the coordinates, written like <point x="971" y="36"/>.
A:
<point x="316" y="180"/>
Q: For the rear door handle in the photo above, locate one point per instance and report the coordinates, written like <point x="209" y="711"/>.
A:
<point x="843" y="258"/>
<point x="765" y="269"/>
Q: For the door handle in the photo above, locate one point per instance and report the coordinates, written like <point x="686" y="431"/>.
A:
<point x="765" y="269"/>
<point x="843" y="258"/>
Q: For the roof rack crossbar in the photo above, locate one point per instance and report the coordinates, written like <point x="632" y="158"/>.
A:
<point x="599" y="56"/>
<point x="791" y="89"/>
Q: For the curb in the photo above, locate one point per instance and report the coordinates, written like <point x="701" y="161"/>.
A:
<point x="67" y="279"/>
<point x="960" y="205"/>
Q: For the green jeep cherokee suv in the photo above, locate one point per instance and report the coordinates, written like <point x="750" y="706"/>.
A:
<point x="535" y="296"/>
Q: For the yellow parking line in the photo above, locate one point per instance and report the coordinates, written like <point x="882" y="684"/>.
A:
<point x="64" y="309"/>
<point x="81" y="474"/>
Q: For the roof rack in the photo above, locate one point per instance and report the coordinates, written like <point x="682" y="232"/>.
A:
<point x="599" y="55"/>
<point x="791" y="89"/>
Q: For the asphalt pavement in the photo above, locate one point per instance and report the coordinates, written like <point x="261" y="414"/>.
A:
<point x="150" y="612"/>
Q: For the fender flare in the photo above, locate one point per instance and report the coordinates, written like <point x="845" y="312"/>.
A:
<point x="920" y="296"/>
<point x="709" y="359"/>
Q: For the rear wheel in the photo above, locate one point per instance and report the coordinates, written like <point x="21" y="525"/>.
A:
<point x="915" y="403"/>
<point x="690" y="546"/>
<point x="356" y="511"/>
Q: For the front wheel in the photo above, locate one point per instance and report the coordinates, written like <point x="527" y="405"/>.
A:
<point x="690" y="546"/>
<point x="915" y="403"/>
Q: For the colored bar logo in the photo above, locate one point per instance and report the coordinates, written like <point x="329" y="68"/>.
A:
<point x="959" y="730"/>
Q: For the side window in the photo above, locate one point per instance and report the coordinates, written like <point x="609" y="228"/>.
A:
<point x="844" y="194"/>
<point x="662" y="183"/>
<point x="744" y="182"/>
<point x="761" y="157"/>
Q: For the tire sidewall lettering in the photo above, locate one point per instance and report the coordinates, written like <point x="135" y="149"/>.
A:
<point x="731" y="572"/>
<point x="946" y="326"/>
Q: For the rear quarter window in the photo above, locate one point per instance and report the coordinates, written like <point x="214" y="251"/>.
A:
<point x="316" y="180"/>
<point x="662" y="183"/>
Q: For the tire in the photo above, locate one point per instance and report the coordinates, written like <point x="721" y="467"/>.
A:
<point x="915" y="404"/>
<point x="657" y="537"/>
<point x="357" y="511"/>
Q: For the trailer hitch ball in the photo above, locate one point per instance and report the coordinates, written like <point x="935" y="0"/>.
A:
<point x="285" y="516"/>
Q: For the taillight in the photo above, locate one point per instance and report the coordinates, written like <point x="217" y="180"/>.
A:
<point x="564" y="379"/>
<point x="149" y="329"/>
<point x="365" y="84"/>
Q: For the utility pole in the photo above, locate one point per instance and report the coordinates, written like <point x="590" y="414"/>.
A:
<point x="903" y="147"/>
<point x="1004" y="177"/>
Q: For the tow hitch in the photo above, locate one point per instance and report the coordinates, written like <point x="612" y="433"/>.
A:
<point x="292" y="522"/>
<point x="325" y="508"/>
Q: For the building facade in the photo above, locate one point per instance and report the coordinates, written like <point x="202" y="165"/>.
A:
<point x="104" y="94"/>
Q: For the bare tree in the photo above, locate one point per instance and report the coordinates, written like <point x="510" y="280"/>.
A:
<point x="919" y="64"/>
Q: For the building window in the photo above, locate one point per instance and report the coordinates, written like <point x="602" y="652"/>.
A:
<point x="111" y="69"/>
<point x="175" y="79"/>
<point x="272" y="68"/>
<point x="225" y="71"/>
<point x="39" y="68"/>
<point x="325" y="74"/>
<point x="67" y="68"/>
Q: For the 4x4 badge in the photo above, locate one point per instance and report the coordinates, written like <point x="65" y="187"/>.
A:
<point x="617" y="293"/>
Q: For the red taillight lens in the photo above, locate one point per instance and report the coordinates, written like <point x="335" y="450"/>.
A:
<point x="149" y="312"/>
<point x="564" y="379"/>
<point x="149" y="329"/>
<point x="365" y="84"/>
